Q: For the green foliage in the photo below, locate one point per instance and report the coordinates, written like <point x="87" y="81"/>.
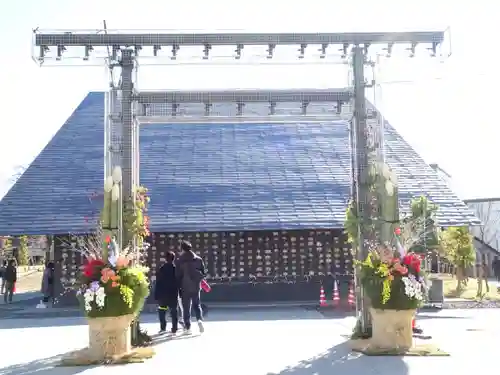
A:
<point x="126" y="298"/>
<point x="23" y="253"/>
<point x="351" y="224"/>
<point x="134" y="216"/>
<point x="383" y="280"/>
<point x="457" y="245"/>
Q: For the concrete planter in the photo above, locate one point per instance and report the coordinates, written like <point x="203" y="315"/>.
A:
<point x="392" y="329"/>
<point x="109" y="337"/>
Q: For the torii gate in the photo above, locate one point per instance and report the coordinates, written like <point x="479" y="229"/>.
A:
<point x="126" y="107"/>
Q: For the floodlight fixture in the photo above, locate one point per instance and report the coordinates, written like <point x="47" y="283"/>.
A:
<point x="412" y="49"/>
<point x="270" y="50"/>
<point x="323" y="48"/>
<point x="388" y="49"/>
<point x="206" y="51"/>
<point x="272" y="108"/>
<point x="239" y="49"/>
<point x="302" y="50"/>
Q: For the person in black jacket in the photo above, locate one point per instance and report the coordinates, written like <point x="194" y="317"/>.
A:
<point x="167" y="293"/>
<point x="190" y="272"/>
<point x="10" y="277"/>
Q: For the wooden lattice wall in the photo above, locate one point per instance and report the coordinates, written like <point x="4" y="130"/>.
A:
<point x="261" y="255"/>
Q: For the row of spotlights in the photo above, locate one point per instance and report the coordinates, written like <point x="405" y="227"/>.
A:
<point x="345" y="51"/>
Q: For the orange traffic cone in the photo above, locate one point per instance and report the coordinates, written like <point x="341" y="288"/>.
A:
<point x="351" y="298"/>
<point x="336" y="294"/>
<point x="322" y="298"/>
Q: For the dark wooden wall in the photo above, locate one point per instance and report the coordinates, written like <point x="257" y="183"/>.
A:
<point x="252" y="266"/>
<point x="264" y="266"/>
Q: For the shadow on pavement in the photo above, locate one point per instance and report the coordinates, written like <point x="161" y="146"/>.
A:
<point x="54" y="317"/>
<point x="341" y="360"/>
<point x="37" y="321"/>
<point x="43" y="366"/>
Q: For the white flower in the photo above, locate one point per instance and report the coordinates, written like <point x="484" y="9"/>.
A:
<point x="88" y="297"/>
<point x="413" y="288"/>
<point x="100" y="297"/>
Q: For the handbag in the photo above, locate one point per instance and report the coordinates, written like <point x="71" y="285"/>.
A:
<point x="205" y="286"/>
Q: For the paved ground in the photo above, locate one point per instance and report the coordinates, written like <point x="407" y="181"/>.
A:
<point x="279" y="341"/>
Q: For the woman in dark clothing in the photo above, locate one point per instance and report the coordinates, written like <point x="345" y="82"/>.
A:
<point x="167" y="293"/>
<point x="10" y="277"/>
<point x="2" y="274"/>
<point x="48" y="283"/>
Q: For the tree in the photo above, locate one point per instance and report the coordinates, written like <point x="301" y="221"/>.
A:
<point x="23" y="253"/>
<point x="422" y="219"/>
<point x="457" y="244"/>
<point x="6" y="247"/>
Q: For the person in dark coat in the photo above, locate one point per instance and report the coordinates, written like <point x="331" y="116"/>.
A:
<point x="10" y="277"/>
<point x="48" y="283"/>
<point x="2" y="274"/>
<point x="167" y="293"/>
<point x="190" y="272"/>
<point x="496" y="268"/>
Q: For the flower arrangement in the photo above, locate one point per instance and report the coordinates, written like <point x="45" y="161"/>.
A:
<point x="113" y="287"/>
<point x="393" y="282"/>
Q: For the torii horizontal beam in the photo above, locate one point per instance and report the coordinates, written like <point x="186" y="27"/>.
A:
<point x="69" y="39"/>
<point x="244" y="119"/>
<point x="245" y="96"/>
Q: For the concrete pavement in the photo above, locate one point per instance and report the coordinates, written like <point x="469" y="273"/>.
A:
<point x="281" y="341"/>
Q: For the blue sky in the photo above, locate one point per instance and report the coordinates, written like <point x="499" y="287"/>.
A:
<point x="450" y="120"/>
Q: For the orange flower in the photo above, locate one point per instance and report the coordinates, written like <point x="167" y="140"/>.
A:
<point x="122" y="262"/>
<point x="107" y="274"/>
<point x="401" y="269"/>
<point x="390" y="277"/>
<point x="115" y="284"/>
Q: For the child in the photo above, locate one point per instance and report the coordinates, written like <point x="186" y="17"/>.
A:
<point x="167" y="293"/>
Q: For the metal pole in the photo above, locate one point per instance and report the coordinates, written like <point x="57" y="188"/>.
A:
<point x="127" y="120"/>
<point x="361" y="178"/>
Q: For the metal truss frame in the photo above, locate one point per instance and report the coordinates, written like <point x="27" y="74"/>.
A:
<point x="126" y="47"/>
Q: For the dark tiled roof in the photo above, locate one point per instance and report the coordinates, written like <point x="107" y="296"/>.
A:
<point x="212" y="177"/>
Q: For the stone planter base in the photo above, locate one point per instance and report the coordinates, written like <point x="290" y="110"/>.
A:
<point x="83" y="358"/>
<point x="109" y="337"/>
<point x="392" y="329"/>
<point x="109" y="343"/>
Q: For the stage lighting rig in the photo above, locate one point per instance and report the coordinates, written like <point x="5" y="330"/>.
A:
<point x="93" y="44"/>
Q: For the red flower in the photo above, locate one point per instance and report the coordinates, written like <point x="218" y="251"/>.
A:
<point x="412" y="260"/>
<point x="90" y="267"/>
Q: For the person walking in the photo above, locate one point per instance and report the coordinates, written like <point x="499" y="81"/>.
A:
<point x="2" y="276"/>
<point x="10" y="278"/>
<point x="190" y="272"/>
<point x="48" y="285"/>
<point x="167" y="293"/>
